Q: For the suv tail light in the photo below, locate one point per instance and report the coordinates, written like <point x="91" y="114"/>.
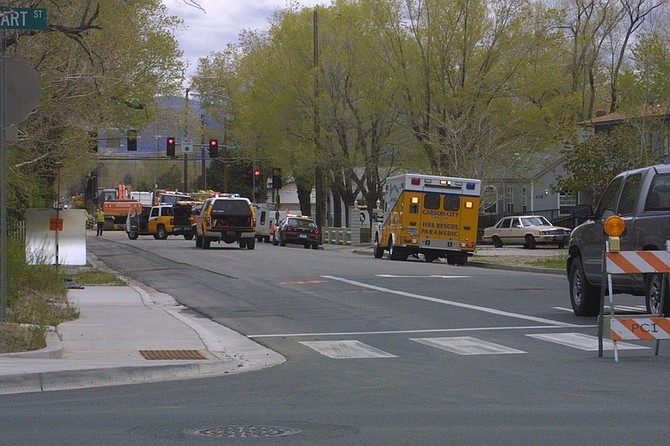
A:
<point x="290" y="228"/>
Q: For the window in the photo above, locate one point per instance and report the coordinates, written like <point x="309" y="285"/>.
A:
<point x="608" y="200"/>
<point x="566" y="201"/>
<point x="431" y="201"/>
<point x="509" y="198"/>
<point x="629" y="194"/>
<point x="452" y="202"/>
<point x="659" y="195"/>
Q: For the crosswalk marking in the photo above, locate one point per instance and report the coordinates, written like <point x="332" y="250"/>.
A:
<point x="346" y="349"/>
<point x="583" y="342"/>
<point x="467" y="345"/>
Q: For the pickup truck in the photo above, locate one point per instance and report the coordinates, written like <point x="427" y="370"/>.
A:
<point x="226" y="218"/>
<point x="642" y="198"/>
<point x="163" y="220"/>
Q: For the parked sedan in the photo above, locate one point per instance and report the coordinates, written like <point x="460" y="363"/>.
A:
<point x="529" y="230"/>
<point x="300" y="230"/>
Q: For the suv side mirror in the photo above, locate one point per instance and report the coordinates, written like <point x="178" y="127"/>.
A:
<point x="581" y="213"/>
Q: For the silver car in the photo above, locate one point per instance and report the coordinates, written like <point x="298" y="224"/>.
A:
<point x="528" y="230"/>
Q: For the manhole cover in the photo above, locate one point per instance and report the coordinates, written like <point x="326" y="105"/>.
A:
<point x="244" y="431"/>
<point x="166" y="355"/>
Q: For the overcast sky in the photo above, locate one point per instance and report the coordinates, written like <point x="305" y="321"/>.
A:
<point x="221" y="23"/>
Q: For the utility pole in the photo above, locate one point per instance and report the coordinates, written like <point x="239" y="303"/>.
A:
<point x="318" y="180"/>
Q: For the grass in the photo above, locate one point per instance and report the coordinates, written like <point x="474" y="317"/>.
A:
<point x="554" y="262"/>
<point x="37" y="299"/>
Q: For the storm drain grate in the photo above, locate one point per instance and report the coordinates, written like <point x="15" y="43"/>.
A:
<point x="166" y="355"/>
<point x="244" y="431"/>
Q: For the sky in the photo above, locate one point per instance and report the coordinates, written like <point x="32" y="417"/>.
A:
<point x="221" y="22"/>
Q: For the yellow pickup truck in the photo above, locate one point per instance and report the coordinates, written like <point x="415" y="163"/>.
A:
<point x="163" y="220"/>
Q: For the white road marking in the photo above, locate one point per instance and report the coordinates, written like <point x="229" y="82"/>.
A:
<point x="452" y="303"/>
<point x="394" y="276"/>
<point x="583" y="342"/>
<point x="346" y="349"/>
<point x="427" y="330"/>
<point x="466" y="345"/>
<point x="635" y="308"/>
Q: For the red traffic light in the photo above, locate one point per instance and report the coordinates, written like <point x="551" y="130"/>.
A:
<point x="171" y="144"/>
<point x="213" y="148"/>
<point x="257" y="173"/>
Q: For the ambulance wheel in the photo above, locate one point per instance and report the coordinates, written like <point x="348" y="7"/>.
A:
<point x="396" y="253"/>
<point x="132" y="235"/>
<point x="251" y="244"/>
<point x="378" y="250"/>
<point x="198" y="241"/>
<point x="456" y="258"/>
<point x="431" y="256"/>
<point x="206" y="243"/>
<point x="188" y="236"/>
<point x="242" y="244"/>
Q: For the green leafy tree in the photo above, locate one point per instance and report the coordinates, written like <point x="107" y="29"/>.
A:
<point x="593" y="162"/>
<point x="101" y="64"/>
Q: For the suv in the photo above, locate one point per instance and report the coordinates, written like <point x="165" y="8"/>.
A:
<point x="227" y="218"/>
<point x="299" y="230"/>
<point x="642" y="198"/>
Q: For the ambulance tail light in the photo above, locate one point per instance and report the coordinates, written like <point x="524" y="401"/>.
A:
<point x="415" y="181"/>
<point x="410" y="241"/>
<point x="468" y="245"/>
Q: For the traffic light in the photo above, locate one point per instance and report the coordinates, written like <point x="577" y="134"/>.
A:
<point x="171" y="143"/>
<point x="213" y="148"/>
<point x="276" y="178"/>
<point x="131" y="140"/>
<point x="257" y="174"/>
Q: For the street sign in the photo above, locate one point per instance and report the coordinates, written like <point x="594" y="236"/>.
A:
<point x="186" y="145"/>
<point x="22" y="89"/>
<point x="23" y="18"/>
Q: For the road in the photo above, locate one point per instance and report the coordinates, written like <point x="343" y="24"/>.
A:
<point x="378" y="353"/>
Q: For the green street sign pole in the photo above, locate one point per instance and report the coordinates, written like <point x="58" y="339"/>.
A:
<point x="10" y="18"/>
<point x="3" y="179"/>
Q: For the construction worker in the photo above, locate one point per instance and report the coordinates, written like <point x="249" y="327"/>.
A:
<point x="100" y="220"/>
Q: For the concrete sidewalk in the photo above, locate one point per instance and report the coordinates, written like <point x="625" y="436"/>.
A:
<point x="126" y="335"/>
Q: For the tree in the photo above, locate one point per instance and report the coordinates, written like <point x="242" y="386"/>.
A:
<point x="593" y="163"/>
<point x="101" y="64"/>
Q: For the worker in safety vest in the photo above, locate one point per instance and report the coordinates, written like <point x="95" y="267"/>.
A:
<point x="100" y="220"/>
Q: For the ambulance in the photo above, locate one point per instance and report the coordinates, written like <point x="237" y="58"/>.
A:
<point x="436" y="216"/>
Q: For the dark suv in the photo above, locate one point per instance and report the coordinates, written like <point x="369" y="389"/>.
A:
<point x="642" y="198"/>
<point x="299" y="230"/>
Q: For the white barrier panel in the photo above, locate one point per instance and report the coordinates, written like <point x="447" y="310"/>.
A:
<point x="641" y="329"/>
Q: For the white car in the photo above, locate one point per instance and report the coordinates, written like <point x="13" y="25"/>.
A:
<point x="528" y="230"/>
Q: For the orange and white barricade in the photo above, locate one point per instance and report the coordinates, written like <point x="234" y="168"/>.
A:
<point x="635" y="327"/>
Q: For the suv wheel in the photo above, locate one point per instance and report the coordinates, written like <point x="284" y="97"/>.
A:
<point x="282" y="241"/>
<point x="652" y="294"/>
<point x="585" y="298"/>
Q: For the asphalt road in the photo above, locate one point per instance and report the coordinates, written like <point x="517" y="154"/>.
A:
<point x="378" y="353"/>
